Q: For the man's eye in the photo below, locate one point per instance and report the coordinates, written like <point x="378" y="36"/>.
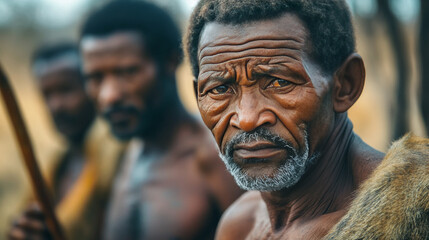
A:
<point x="277" y="83"/>
<point x="220" y="89"/>
<point x="127" y="71"/>
<point x="94" y="77"/>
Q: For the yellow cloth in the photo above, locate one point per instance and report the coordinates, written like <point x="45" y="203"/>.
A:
<point x="80" y="212"/>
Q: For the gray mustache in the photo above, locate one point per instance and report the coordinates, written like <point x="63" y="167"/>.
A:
<point x="260" y="134"/>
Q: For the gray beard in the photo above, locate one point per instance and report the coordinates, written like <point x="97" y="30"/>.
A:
<point x="287" y="175"/>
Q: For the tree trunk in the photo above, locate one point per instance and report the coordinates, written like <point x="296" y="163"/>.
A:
<point x="400" y="106"/>
<point x="424" y="61"/>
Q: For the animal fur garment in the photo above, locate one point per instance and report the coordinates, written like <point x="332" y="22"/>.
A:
<point x="394" y="202"/>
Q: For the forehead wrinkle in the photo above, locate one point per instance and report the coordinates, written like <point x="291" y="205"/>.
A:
<point x="261" y="52"/>
<point x="213" y="68"/>
<point x="286" y="43"/>
<point x="235" y="41"/>
<point x="254" y="57"/>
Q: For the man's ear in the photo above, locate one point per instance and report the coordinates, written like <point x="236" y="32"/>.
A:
<point x="349" y="81"/>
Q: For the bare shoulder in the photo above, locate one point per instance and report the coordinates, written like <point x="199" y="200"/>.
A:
<point x="364" y="160"/>
<point x="197" y="143"/>
<point x="238" y="219"/>
<point x="208" y="165"/>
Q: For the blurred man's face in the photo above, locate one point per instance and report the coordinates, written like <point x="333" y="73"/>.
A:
<point x="266" y="102"/>
<point x="120" y="79"/>
<point x="63" y="89"/>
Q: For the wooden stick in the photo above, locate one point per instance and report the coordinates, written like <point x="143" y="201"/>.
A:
<point x="39" y="185"/>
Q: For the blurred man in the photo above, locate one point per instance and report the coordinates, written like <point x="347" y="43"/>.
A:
<point x="274" y="80"/>
<point x="175" y="186"/>
<point x="81" y="176"/>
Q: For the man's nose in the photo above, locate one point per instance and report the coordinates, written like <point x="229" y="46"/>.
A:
<point x="251" y="114"/>
<point x="110" y="92"/>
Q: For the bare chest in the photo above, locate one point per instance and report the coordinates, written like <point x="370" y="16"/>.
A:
<point x="158" y="201"/>
<point x="313" y="229"/>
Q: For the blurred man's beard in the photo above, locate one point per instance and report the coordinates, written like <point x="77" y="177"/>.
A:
<point x="73" y="127"/>
<point x="286" y="176"/>
<point x="64" y="122"/>
<point x="146" y="120"/>
<point x="149" y="120"/>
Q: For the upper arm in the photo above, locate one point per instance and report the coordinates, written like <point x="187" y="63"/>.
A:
<point x="238" y="219"/>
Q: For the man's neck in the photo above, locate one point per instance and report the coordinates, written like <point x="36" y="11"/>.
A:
<point x="77" y="142"/>
<point x="169" y="122"/>
<point x="325" y="188"/>
<point x="76" y="145"/>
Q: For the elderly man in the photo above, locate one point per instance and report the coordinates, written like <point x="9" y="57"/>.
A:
<point x="172" y="185"/>
<point x="274" y="80"/>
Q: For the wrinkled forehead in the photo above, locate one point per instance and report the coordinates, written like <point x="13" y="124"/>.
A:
<point x="262" y="33"/>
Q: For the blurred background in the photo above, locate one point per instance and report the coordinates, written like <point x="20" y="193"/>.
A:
<point x="391" y="38"/>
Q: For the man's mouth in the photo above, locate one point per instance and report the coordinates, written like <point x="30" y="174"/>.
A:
<point x="258" y="151"/>
<point x="119" y="116"/>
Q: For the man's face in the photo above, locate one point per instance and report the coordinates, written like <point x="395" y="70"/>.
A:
<point x="265" y="100"/>
<point x="120" y="79"/>
<point x="62" y="87"/>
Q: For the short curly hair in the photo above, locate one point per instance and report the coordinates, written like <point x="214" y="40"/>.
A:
<point x="52" y="51"/>
<point x="161" y="35"/>
<point x="328" y="21"/>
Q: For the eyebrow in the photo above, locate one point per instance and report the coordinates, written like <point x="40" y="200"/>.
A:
<point x="203" y="82"/>
<point x="274" y="70"/>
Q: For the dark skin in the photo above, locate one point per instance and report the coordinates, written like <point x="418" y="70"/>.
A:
<point x="261" y="75"/>
<point x="108" y="62"/>
<point x="72" y="111"/>
<point x="62" y="86"/>
<point x="30" y="225"/>
<point x="181" y="187"/>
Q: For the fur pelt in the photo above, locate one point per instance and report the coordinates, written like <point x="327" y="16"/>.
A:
<point x="394" y="202"/>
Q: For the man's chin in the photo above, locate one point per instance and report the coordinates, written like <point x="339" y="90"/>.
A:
<point x="124" y="134"/>
<point x="268" y="179"/>
<point x="123" y="137"/>
<point x="264" y="183"/>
